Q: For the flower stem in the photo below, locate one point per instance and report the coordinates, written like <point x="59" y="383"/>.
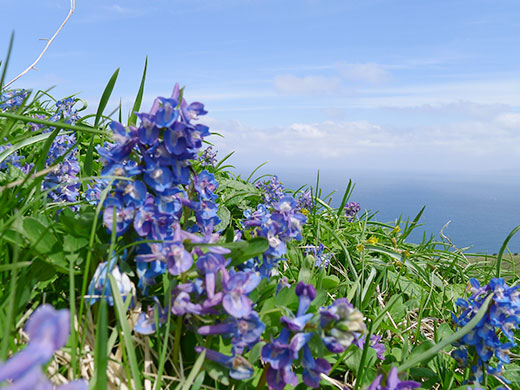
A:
<point x="177" y="341"/>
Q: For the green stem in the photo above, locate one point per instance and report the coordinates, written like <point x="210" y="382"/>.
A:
<point x="177" y="341"/>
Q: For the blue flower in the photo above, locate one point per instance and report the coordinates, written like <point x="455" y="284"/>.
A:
<point x="48" y="331"/>
<point x="205" y="185"/>
<point x="351" y="209"/>
<point x="236" y="288"/>
<point x="245" y="331"/>
<point x="239" y="367"/>
<point x="146" y="322"/>
<point x="12" y="100"/>
<point x="100" y="286"/>
<point x="485" y="340"/>
<point x="341" y="323"/>
<point x="313" y="368"/>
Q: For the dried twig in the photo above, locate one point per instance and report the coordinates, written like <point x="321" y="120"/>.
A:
<point x="49" y="41"/>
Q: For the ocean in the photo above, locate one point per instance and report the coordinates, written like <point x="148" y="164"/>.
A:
<point x="482" y="208"/>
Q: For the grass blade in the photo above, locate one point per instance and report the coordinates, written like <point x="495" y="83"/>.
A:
<point x="60" y="125"/>
<point x="6" y="62"/>
<point x="194" y="371"/>
<point x="503" y="248"/>
<point x="127" y="332"/>
<point x="101" y="353"/>
<point x="105" y="97"/>
<point x="412" y="226"/>
<point x="255" y="170"/>
<point x="139" y="98"/>
<point x="89" y="159"/>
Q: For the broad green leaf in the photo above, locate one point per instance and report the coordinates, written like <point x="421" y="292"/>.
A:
<point x="225" y="217"/>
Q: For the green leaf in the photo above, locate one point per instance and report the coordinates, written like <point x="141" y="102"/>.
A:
<point x="225" y="217"/>
<point x="194" y="371"/>
<point x="6" y="62"/>
<point x="105" y="97"/>
<point x="217" y="372"/>
<point x="73" y="244"/>
<point x="305" y="273"/>
<point x="330" y="282"/>
<point x="39" y="235"/>
<point x="244" y="250"/>
<point x="139" y="98"/>
<point x="503" y="248"/>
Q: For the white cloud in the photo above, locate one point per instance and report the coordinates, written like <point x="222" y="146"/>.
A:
<point x="308" y="85"/>
<point x="470" y="145"/>
<point x="367" y="73"/>
<point x="510" y="120"/>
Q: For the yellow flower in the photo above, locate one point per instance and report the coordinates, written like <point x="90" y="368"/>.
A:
<point x="373" y="240"/>
<point x="359" y="247"/>
<point x="397" y="229"/>
<point x="304" y="211"/>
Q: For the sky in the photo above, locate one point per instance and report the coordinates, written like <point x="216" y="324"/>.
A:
<point x="351" y="86"/>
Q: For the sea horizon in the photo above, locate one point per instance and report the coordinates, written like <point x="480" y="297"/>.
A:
<point x="479" y="209"/>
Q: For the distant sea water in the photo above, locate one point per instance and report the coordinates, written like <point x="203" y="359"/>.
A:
<point x="483" y="209"/>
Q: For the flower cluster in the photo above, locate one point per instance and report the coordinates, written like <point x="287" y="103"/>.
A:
<point x="208" y="157"/>
<point x="351" y="210"/>
<point x="321" y="259"/>
<point x="13" y="159"/>
<point x="13" y="99"/>
<point x="339" y="326"/>
<point x="48" y="330"/>
<point x="493" y="336"/>
<point x="148" y="168"/>
<point x="282" y="352"/>
<point x="278" y="223"/>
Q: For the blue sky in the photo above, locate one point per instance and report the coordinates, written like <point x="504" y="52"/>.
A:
<point x="357" y="85"/>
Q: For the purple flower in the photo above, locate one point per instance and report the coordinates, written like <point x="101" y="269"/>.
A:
<point x="146" y="323"/>
<point x="210" y="264"/>
<point x="485" y="340"/>
<point x="167" y="113"/>
<point x="12" y="100"/>
<point x="236" y="288"/>
<point x="205" y="185"/>
<point x="340" y="324"/>
<point x="208" y="157"/>
<point x="147" y="132"/>
<point x="273" y="190"/>
<point x="124" y="215"/>
<point x="351" y="209"/>
<point x="374" y="343"/>
<point x="392" y="382"/>
<point x="239" y="367"/>
<point x="245" y="331"/>
<point x="313" y="368"/>
<point x="306" y="293"/>
<point x="48" y="330"/>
